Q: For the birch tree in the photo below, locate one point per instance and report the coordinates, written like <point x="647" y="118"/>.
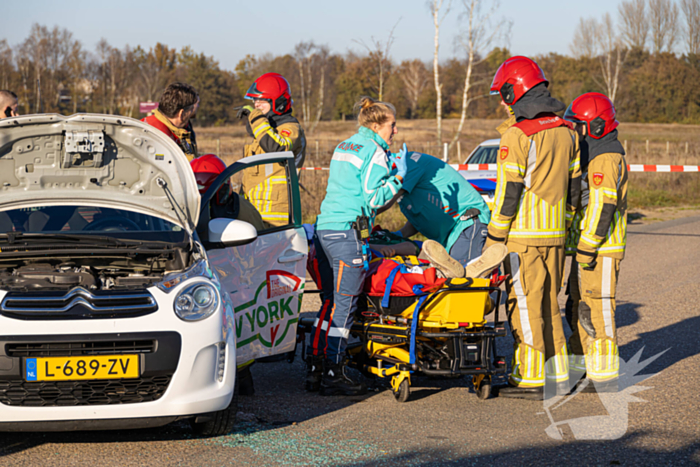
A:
<point x="613" y="54"/>
<point x="435" y="6"/>
<point x="478" y="36"/>
<point x="414" y="78"/>
<point x="312" y="63"/>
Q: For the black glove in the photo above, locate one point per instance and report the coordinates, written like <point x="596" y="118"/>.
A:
<point x="244" y="111"/>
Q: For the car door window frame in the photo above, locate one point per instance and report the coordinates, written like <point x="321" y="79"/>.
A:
<point x="293" y="197"/>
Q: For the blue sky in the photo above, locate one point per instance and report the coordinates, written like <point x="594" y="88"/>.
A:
<point x="228" y="30"/>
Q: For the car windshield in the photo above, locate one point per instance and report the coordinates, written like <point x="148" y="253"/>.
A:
<point x="81" y="219"/>
<point x="484" y="155"/>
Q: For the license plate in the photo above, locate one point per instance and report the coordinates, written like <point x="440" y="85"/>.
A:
<point x="81" y="368"/>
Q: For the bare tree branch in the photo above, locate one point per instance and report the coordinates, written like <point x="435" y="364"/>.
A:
<point x="663" y="16"/>
<point x="479" y="35"/>
<point x="691" y="31"/>
<point x="634" y="26"/>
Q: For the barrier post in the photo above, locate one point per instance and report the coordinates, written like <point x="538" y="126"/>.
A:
<point x="647" y="146"/>
<point x="444" y="152"/>
<point x="459" y="151"/>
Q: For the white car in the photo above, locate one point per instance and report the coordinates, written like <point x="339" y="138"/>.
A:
<point x="114" y="311"/>
<point x="484" y="181"/>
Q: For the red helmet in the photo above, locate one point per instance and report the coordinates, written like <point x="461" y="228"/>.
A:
<point x="515" y="77"/>
<point x="206" y="168"/>
<point x="273" y="88"/>
<point x="596" y="111"/>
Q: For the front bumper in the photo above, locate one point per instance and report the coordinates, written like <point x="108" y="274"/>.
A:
<point x="178" y="378"/>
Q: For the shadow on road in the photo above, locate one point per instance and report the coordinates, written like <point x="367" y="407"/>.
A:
<point x="626" y="313"/>
<point x="623" y="451"/>
<point x="679" y="340"/>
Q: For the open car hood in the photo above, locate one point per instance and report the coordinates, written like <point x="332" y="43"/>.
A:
<point x="95" y="160"/>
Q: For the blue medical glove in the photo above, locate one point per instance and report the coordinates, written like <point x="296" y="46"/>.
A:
<point x="400" y="161"/>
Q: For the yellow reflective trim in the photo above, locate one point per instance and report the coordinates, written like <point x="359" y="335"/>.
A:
<point x="260" y="129"/>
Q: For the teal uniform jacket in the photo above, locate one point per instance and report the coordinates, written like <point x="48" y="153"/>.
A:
<point x="436" y="197"/>
<point x="359" y="183"/>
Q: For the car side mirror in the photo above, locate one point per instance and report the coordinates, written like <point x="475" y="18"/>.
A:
<point x="224" y="233"/>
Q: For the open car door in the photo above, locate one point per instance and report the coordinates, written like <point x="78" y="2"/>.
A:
<point x="264" y="278"/>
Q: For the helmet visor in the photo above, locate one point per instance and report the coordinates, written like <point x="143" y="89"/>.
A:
<point x="253" y="92"/>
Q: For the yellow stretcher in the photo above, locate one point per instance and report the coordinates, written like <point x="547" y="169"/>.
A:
<point x="440" y="333"/>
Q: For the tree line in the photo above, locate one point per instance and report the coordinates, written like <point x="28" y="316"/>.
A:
<point x="646" y="58"/>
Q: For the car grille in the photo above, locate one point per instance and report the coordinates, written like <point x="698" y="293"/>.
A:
<point x="70" y="349"/>
<point x="75" y="393"/>
<point x="78" y="303"/>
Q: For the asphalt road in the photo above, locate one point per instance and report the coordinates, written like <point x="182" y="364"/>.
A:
<point x="444" y="423"/>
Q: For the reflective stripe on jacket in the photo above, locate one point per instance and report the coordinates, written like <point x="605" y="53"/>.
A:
<point x="359" y="182"/>
<point x="602" y="229"/>
<point x="538" y="179"/>
<point x="265" y="186"/>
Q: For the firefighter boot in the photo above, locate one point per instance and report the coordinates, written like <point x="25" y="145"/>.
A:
<point x="335" y="382"/>
<point x="489" y="260"/>
<point x="441" y="260"/>
<point x="610" y="385"/>
<point x="314" y="372"/>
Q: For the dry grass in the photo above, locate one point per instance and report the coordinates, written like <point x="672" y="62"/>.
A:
<point x="646" y="189"/>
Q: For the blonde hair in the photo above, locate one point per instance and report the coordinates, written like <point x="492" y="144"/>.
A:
<point x="370" y="112"/>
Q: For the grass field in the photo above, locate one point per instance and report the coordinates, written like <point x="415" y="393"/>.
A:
<point x="667" y="144"/>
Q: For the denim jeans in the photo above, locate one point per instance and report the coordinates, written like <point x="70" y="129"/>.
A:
<point x="470" y="243"/>
<point x="341" y="267"/>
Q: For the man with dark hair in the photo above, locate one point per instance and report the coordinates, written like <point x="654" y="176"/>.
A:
<point x="177" y="107"/>
<point x="8" y="104"/>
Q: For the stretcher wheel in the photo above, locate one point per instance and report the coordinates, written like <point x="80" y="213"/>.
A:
<point x="483" y="389"/>
<point x="404" y="391"/>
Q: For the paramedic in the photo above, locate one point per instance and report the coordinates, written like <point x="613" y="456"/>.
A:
<point x="537" y="188"/>
<point x="599" y="235"/>
<point x="440" y="204"/>
<point x="359" y="184"/>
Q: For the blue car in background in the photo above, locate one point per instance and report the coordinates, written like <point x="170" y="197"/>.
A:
<point x="483" y="180"/>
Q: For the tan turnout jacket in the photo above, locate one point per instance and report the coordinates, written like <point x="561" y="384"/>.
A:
<point x="538" y="182"/>
<point x="265" y="186"/>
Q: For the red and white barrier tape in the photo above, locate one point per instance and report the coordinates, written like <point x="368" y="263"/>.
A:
<point x="631" y="168"/>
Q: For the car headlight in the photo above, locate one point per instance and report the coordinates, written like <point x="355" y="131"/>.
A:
<point x="196" y="302"/>
<point x="198" y="269"/>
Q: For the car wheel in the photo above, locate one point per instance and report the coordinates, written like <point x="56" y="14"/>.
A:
<point x="217" y="423"/>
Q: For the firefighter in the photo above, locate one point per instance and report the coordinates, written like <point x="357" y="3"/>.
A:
<point x="176" y="108"/>
<point x="359" y="184"/>
<point x="537" y="187"/>
<point x="270" y="124"/>
<point x="599" y="236"/>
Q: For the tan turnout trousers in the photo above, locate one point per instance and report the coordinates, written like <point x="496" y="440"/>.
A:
<point x="590" y="312"/>
<point x="540" y="345"/>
